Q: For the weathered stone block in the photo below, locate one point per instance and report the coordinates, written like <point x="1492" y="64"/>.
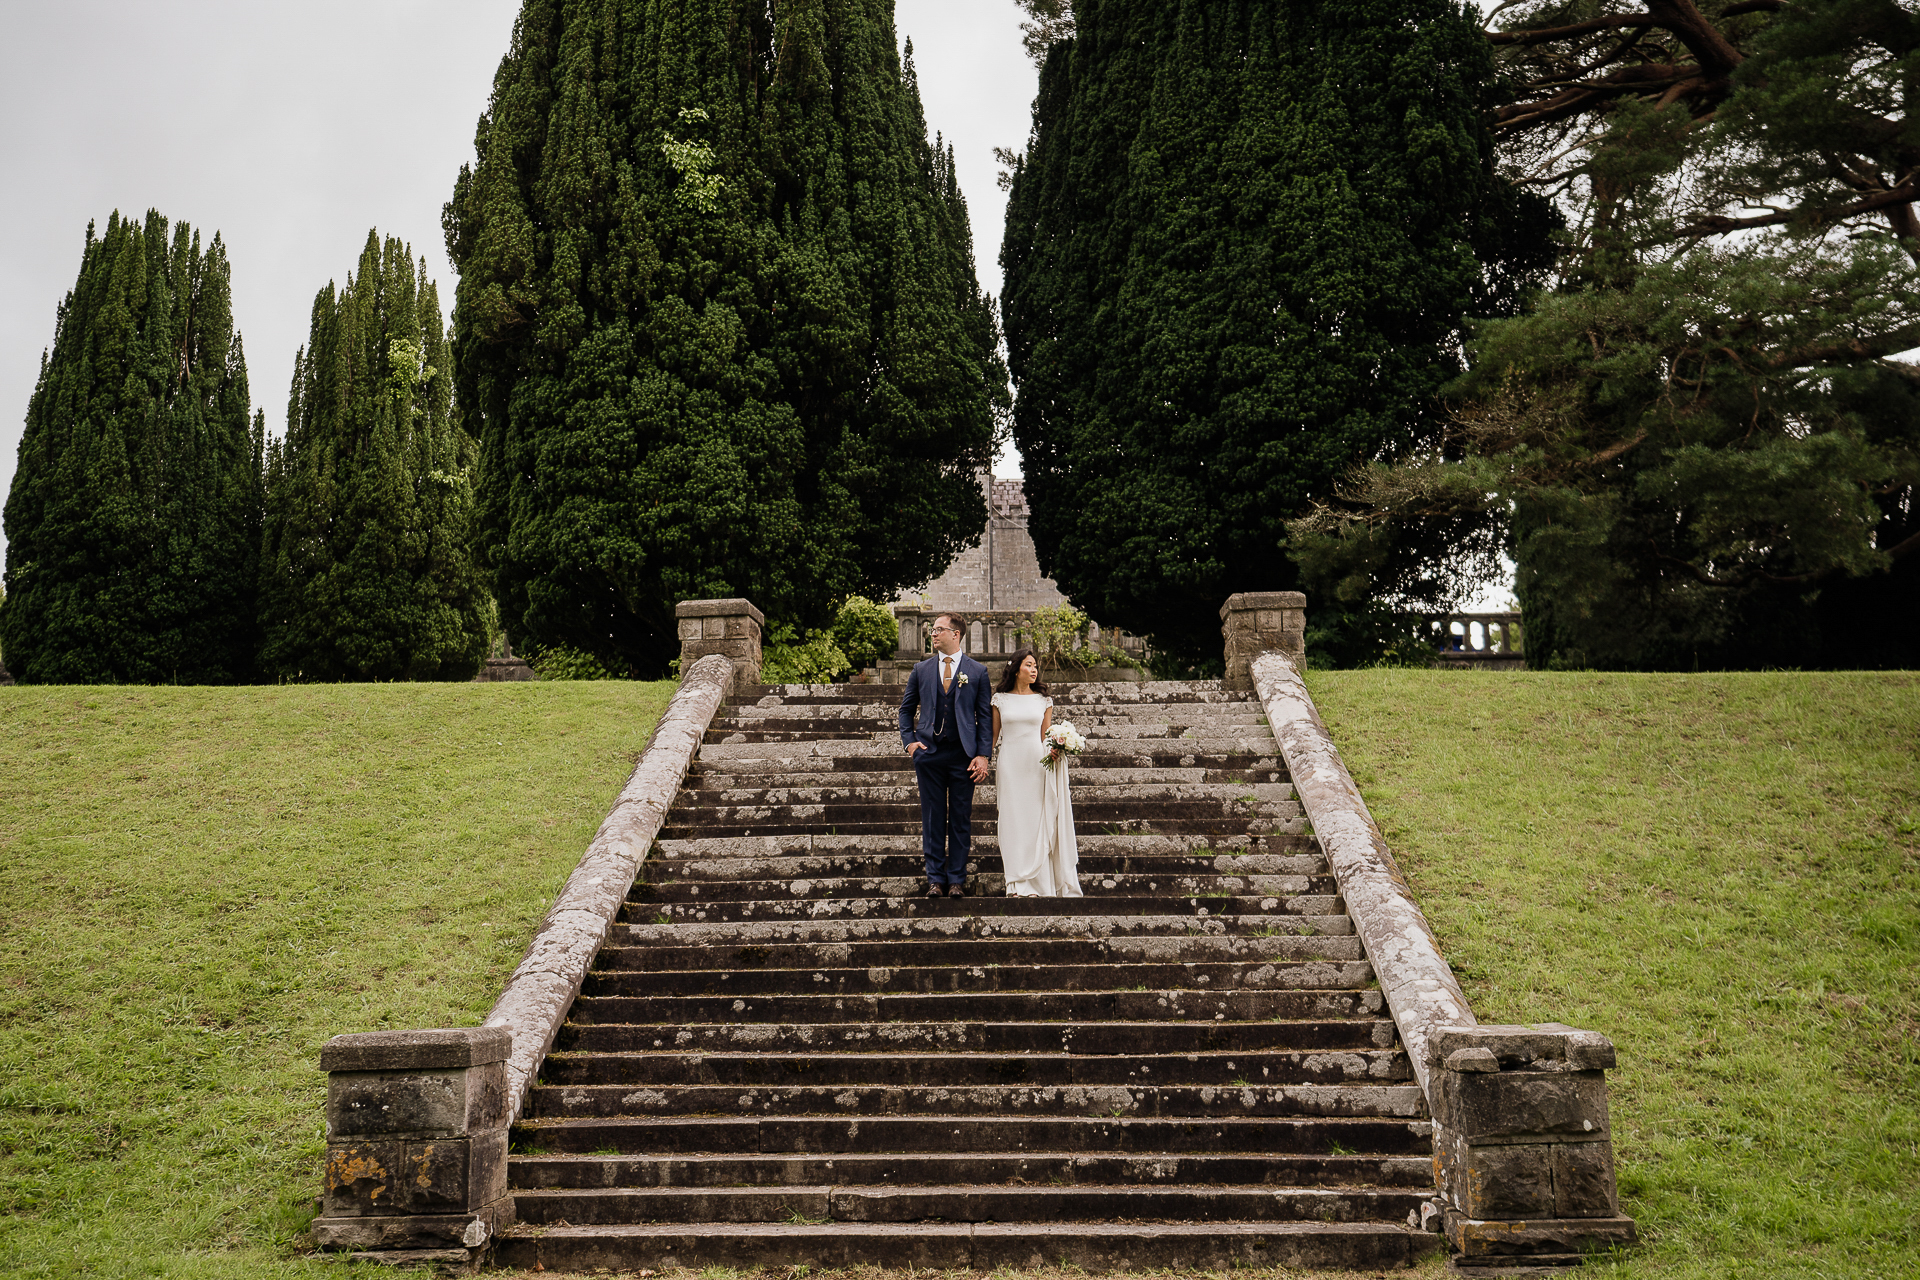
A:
<point x="1522" y="1106"/>
<point x="1583" y="1181"/>
<point x="417" y="1103"/>
<point x="415" y="1231"/>
<point x="691" y="628"/>
<point x="1522" y="1046"/>
<point x="363" y="1178"/>
<point x="1473" y="1239"/>
<point x="1507" y="1182"/>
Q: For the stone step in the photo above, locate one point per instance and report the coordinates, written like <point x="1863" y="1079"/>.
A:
<point x="1288" y="975"/>
<point x="1030" y="1169"/>
<point x="882" y="746"/>
<point x="1142" y="756"/>
<point x="1214" y="829"/>
<point x="912" y="864"/>
<point x="1121" y="719"/>
<point x="903" y="805"/>
<point x="982" y="1247"/>
<point x="845" y="780"/>
<point x="1336" y="1032"/>
<point x="1092" y="844"/>
<point x="955" y="923"/>
<point x="1141" y="1101"/>
<point x="954" y="1070"/>
<point x="665" y="958"/>
<point x="1151" y="693"/>
<point x="902" y="790"/>
<point x="986" y="884"/>
<point x="998" y="1135"/>
<point x="847" y="729"/>
<point x="1054" y="1007"/>
<point x="833" y="1202"/>
<point x="919" y="907"/>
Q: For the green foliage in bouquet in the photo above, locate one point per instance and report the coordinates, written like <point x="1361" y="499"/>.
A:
<point x="866" y="632"/>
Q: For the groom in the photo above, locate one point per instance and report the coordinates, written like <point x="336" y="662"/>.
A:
<point x="946" y="723"/>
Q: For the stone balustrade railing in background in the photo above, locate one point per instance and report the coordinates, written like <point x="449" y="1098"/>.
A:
<point x="999" y="633"/>
<point x="1491" y="641"/>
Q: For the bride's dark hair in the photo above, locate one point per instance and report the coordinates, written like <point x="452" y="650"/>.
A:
<point x="1011" y="675"/>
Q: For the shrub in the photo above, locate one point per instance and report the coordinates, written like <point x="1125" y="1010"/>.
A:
<point x="787" y="659"/>
<point x="866" y="632"/>
<point x="563" y="663"/>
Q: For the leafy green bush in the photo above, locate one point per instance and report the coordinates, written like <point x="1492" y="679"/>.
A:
<point x="563" y="663"/>
<point x="787" y="659"/>
<point x="866" y="632"/>
<point x="1059" y="636"/>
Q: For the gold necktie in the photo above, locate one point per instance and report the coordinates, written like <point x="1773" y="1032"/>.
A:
<point x="946" y="674"/>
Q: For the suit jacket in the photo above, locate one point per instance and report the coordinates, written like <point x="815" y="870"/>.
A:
<point x="972" y="706"/>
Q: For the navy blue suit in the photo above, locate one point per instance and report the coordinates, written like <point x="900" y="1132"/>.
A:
<point x="956" y="725"/>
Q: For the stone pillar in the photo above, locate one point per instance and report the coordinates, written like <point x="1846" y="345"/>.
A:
<point x="1258" y="622"/>
<point x="728" y="627"/>
<point x="1522" y="1148"/>
<point x="416" y="1143"/>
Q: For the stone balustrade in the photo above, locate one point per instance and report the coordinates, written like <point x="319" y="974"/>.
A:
<point x="1494" y="641"/>
<point x="998" y="633"/>
<point x="732" y="628"/>
<point x="1257" y="622"/>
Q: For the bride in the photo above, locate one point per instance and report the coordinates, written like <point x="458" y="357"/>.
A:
<point x="1037" y="844"/>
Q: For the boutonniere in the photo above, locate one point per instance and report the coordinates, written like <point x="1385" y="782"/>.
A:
<point x="962" y="677"/>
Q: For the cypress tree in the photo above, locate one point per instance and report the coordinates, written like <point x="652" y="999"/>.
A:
<point x="133" y="522"/>
<point x="1238" y="252"/>
<point x="368" y="572"/>
<point x="718" y="326"/>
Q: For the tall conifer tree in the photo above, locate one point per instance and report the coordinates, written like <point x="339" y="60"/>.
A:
<point x="368" y="570"/>
<point x="133" y="523"/>
<point x="718" y="324"/>
<point x="1238" y="252"/>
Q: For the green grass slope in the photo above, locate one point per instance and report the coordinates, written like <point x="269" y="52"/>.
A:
<point x="198" y="887"/>
<point x="1721" y="872"/>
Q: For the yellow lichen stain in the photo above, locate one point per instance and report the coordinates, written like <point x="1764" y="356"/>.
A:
<point x="347" y="1167"/>
<point x="421" y="1161"/>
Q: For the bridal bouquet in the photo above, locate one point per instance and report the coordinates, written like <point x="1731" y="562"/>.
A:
<point x="1060" y="741"/>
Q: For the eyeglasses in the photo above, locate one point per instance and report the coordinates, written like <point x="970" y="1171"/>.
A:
<point x="954" y="630"/>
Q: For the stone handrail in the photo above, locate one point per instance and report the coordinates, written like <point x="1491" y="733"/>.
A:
<point x="542" y="989"/>
<point x="1523" y="1146"/>
<point x="1417" y="980"/>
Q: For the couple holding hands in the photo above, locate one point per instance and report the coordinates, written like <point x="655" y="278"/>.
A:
<point x="951" y="725"/>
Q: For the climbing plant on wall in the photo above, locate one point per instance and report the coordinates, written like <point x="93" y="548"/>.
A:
<point x="718" y="326"/>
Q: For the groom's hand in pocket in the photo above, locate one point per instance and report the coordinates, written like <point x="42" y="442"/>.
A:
<point x="978" y="769"/>
<point x="913" y="747"/>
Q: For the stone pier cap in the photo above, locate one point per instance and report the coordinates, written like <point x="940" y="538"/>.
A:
<point x="446" y="1049"/>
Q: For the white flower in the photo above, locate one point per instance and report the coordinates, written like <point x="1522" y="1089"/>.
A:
<point x="963" y="677"/>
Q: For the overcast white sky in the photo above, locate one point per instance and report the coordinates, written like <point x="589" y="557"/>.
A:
<point x="293" y="127"/>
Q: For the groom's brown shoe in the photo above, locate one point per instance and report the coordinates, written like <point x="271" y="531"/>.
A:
<point x="936" y="891"/>
<point x="956" y="891"/>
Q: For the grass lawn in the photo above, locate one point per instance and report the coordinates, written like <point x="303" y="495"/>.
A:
<point x="198" y="887"/>
<point x="1721" y="872"/>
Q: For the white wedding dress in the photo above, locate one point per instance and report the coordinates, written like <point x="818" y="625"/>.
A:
<point x="1037" y="844"/>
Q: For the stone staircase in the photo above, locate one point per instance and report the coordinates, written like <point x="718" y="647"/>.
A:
<point x="785" y="1055"/>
